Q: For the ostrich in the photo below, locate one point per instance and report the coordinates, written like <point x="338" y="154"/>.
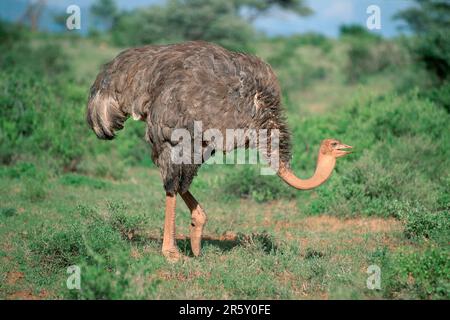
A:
<point x="170" y="87"/>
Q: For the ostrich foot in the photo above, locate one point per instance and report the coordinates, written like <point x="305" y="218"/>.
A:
<point x="172" y="254"/>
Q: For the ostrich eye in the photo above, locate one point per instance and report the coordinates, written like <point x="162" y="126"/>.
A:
<point x="334" y="144"/>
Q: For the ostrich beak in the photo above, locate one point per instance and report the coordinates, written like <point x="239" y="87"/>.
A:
<point x="341" y="150"/>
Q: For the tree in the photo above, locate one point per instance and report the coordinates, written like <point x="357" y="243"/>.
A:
<point x="33" y="13"/>
<point x="105" y="12"/>
<point x="258" y="7"/>
<point x="430" y="20"/>
<point x="426" y="16"/>
<point x="211" y="20"/>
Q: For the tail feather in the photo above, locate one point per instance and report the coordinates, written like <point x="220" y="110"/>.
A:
<point x="104" y="115"/>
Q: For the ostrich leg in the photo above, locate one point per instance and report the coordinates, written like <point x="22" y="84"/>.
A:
<point x="198" y="220"/>
<point x="169" y="247"/>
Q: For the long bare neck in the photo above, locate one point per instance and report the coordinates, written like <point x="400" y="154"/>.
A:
<point x="324" y="168"/>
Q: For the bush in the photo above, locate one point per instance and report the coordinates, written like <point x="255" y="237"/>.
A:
<point x="439" y="95"/>
<point x="34" y="189"/>
<point x="128" y="225"/>
<point x="421" y="222"/>
<point x="48" y="58"/>
<point x="8" y="212"/>
<point x="356" y="31"/>
<point x="393" y="138"/>
<point x="10" y="33"/>
<point x="295" y="70"/>
<point x="26" y="128"/>
<point x="421" y="275"/>
<point x="34" y="179"/>
<point x="19" y="170"/>
<point x="101" y="281"/>
<point x="79" y="180"/>
<point x="431" y="225"/>
<point x="368" y="53"/>
<point x="178" y="21"/>
<point x="370" y="56"/>
<point x="247" y="182"/>
<point x="59" y="248"/>
<point x="433" y="49"/>
<point x="49" y="125"/>
<point x="75" y="243"/>
<point x="117" y="278"/>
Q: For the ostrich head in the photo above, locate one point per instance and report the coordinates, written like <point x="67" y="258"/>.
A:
<point x="333" y="148"/>
<point x="330" y="150"/>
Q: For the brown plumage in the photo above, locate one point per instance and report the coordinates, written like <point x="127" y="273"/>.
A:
<point x="171" y="86"/>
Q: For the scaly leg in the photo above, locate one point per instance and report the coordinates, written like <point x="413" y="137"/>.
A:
<point x="169" y="247"/>
<point x="198" y="220"/>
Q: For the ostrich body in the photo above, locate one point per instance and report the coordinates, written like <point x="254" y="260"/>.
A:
<point x="171" y="87"/>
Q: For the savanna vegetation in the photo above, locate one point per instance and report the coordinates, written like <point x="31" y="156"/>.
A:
<point x="68" y="198"/>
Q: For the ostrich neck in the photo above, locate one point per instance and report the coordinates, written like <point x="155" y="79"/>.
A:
<point x="324" y="168"/>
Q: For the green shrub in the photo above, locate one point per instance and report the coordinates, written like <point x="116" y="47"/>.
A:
<point x="433" y="49"/>
<point x="26" y="128"/>
<point x="264" y="242"/>
<point x="132" y="146"/>
<point x="8" y="212"/>
<point x="393" y="139"/>
<point x="368" y="57"/>
<point x="33" y="179"/>
<point x="79" y="180"/>
<point x="247" y="182"/>
<point x="176" y="21"/>
<point x="103" y="164"/>
<point x="59" y="248"/>
<point x="356" y="31"/>
<point x="48" y="59"/>
<point x="10" y="33"/>
<point x="421" y="275"/>
<point x="443" y="202"/>
<point x="87" y="212"/>
<point x="368" y="53"/>
<point x="420" y="222"/>
<point x="100" y="281"/>
<point x="117" y="278"/>
<point x="293" y="67"/>
<point x="35" y="186"/>
<point x="75" y="243"/>
<point x="19" y="170"/>
<point x="315" y="39"/>
<point x="40" y="114"/>
<point x="34" y="190"/>
<point x="440" y="95"/>
<point x="128" y="225"/>
<point x="431" y="225"/>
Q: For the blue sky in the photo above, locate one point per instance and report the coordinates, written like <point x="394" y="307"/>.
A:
<point x="328" y="14"/>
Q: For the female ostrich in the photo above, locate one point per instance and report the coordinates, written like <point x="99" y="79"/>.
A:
<point x="172" y="86"/>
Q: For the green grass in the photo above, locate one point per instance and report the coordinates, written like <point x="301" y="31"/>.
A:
<point x="252" y="249"/>
<point x="69" y="199"/>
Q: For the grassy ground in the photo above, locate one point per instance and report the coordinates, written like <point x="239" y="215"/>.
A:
<point x="105" y="213"/>
<point x="250" y="250"/>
